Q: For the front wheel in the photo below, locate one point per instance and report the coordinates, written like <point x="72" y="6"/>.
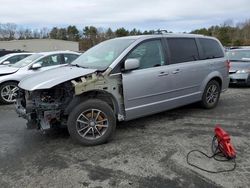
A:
<point x="8" y="92"/>
<point x="211" y="95"/>
<point x="92" y="122"/>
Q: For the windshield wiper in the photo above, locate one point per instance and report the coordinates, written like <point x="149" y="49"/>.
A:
<point x="79" y="66"/>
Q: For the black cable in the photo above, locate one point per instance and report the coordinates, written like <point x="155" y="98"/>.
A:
<point x="209" y="171"/>
<point x="216" y="152"/>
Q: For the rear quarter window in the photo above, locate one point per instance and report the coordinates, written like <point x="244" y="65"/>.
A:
<point x="182" y="50"/>
<point x="210" y="49"/>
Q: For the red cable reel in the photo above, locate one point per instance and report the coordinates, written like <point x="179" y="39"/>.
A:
<point x="224" y="144"/>
<point x="221" y="146"/>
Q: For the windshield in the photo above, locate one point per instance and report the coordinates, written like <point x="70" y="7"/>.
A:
<point x="102" y="55"/>
<point x="239" y="55"/>
<point x="26" y="61"/>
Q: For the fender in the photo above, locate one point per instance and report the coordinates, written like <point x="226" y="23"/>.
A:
<point x="88" y="94"/>
<point x="8" y="78"/>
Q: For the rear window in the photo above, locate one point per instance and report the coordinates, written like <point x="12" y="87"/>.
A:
<point x="182" y="50"/>
<point x="211" y="49"/>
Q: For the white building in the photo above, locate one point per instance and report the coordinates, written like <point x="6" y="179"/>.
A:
<point x="39" y="45"/>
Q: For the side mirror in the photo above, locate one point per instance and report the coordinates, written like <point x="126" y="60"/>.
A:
<point x="131" y="64"/>
<point x="36" y="66"/>
<point x="6" y="62"/>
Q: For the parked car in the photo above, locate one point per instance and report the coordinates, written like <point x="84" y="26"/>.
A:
<point x="239" y="66"/>
<point x="13" y="58"/>
<point x="12" y="74"/>
<point x="123" y="79"/>
<point x="4" y="52"/>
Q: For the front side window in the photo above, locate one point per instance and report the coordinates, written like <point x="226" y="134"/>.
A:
<point x="150" y="54"/>
<point x="182" y="50"/>
<point x="50" y="60"/>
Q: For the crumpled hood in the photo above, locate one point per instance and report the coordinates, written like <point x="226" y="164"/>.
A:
<point x="53" y="77"/>
<point x="5" y="69"/>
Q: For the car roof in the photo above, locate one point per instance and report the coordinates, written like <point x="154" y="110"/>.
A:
<point x="58" y="52"/>
<point x="21" y="53"/>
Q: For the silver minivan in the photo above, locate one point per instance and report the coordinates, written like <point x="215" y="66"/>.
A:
<point x="123" y="79"/>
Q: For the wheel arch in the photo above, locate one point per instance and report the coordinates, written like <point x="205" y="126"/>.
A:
<point x="96" y="94"/>
<point x="17" y="82"/>
<point x="218" y="79"/>
<point x="212" y="76"/>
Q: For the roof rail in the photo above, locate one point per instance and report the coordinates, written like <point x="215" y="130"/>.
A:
<point x="160" y="32"/>
<point x="165" y="32"/>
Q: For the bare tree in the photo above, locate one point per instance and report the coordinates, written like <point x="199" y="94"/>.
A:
<point x="8" y="31"/>
<point x="36" y="34"/>
<point x="44" y="32"/>
<point x="28" y="34"/>
<point x="21" y="34"/>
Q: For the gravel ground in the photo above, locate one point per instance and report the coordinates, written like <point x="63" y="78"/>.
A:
<point x="147" y="152"/>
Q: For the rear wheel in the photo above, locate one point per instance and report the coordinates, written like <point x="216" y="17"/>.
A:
<point x="8" y="92"/>
<point x="92" y="122"/>
<point x="211" y="95"/>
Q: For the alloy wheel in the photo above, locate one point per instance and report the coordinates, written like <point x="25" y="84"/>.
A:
<point x="9" y="93"/>
<point x="212" y="94"/>
<point x="92" y="124"/>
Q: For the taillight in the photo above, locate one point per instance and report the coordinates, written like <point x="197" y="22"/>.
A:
<point x="228" y="64"/>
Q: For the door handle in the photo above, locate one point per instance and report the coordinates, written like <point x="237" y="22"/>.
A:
<point x="163" y="74"/>
<point x="176" y="71"/>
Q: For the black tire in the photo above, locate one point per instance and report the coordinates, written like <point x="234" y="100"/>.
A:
<point x="209" y="104"/>
<point x="2" y="88"/>
<point x="86" y="106"/>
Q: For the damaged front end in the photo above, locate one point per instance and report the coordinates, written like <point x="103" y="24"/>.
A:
<point x="44" y="109"/>
<point x="47" y="108"/>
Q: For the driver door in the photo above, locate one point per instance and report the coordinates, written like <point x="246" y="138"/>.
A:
<point x="146" y="88"/>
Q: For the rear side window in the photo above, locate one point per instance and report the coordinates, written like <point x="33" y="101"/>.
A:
<point x="211" y="49"/>
<point x="182" y="50"/>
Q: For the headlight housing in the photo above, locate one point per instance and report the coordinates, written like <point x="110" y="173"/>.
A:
<point x="243" y="71"/>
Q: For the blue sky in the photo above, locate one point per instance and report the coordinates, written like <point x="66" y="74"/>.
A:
<point x="173" y="15"/>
